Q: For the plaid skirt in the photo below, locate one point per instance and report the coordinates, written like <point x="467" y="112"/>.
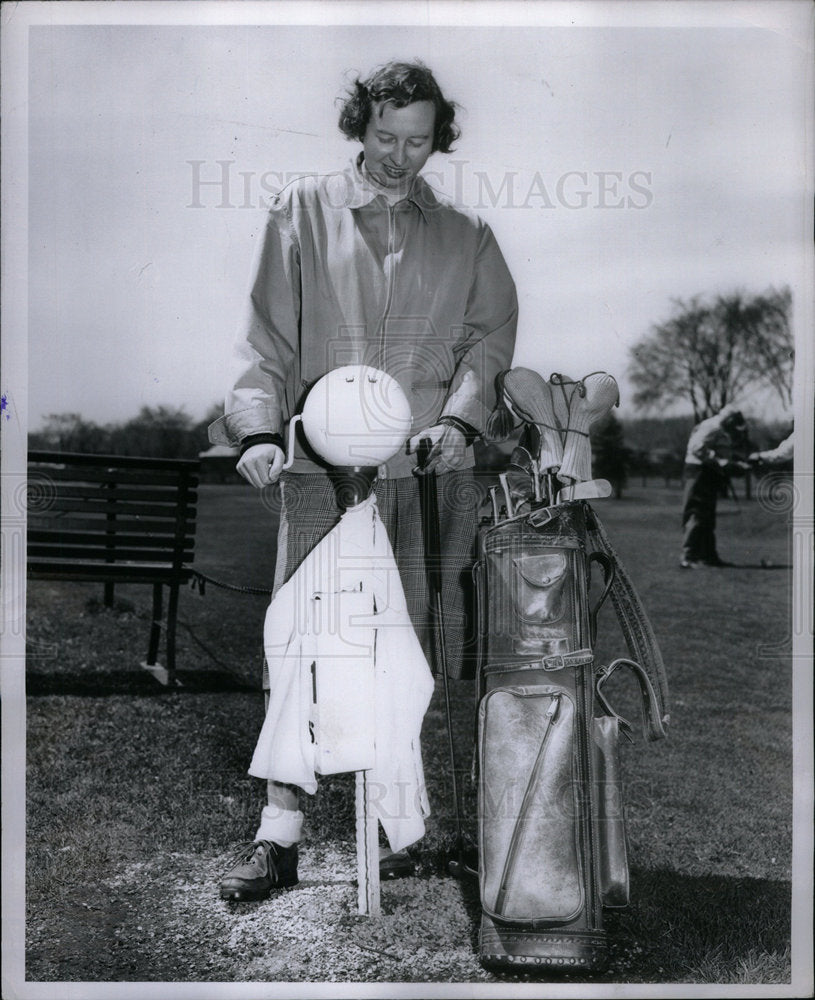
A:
<point x="309" y="510"/>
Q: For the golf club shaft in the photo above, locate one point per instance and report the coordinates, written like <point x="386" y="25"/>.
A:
<point x="496" y="511"/>
<point x="432" y="541"/>
<point x="536" y="483"/>
<point x="502" y="476"/>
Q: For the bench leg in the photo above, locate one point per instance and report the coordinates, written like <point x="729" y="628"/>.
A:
<point x="172" y="614"/>
<point x="108" y="597"/>
<point x="155" y="627"/>
<point x="367" y="848"/>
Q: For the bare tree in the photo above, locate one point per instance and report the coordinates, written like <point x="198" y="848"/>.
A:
<point x="70" y="432"/>
<point x="160" y="432"/>
<point x="711" y="353"/>
<point x="610" y="456"/>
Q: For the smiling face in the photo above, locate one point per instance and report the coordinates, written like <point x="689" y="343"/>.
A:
<point x="398" y="142"/>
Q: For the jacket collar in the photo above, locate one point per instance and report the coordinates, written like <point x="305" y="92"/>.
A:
<point x="362" y="192"/>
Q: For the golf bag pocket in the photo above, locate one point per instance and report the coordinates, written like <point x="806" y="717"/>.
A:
<point x="531" y="606"/>
<point x="612" y="855"/>
<point x="528" y="806"/>
<point x="540" y="583"/>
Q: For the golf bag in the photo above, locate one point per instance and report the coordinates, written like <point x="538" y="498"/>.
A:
<point x="551" y="840"/>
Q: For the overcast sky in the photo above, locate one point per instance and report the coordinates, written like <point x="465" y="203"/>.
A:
<point x="619" y="166"/>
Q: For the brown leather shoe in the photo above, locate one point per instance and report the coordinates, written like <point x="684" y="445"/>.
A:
<point x="259" y="868"/>
<point x="398" y="865"/>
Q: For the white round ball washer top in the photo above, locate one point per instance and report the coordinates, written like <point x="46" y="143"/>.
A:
<point x="356" y="416"/>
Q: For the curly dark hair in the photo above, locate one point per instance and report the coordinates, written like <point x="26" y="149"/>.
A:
<point x="399" y="84"/>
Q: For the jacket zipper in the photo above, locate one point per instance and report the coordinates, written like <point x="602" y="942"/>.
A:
<point x="389" y="262"/>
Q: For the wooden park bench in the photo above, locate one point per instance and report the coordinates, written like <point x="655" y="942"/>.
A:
<point x="114" y="519"/>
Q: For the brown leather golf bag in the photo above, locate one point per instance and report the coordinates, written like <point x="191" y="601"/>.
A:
<point x="552" y="844"/>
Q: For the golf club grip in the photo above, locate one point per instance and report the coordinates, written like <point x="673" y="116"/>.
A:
<point x="423" y="450"/>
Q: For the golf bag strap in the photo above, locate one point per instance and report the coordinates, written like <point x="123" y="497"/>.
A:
<point x="636" y="628"/>
<point x="651" y="717"/>
<point x="557" y="661"/>
<point x="609" y="572"/>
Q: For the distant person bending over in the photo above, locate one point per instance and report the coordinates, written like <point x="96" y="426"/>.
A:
<point x="369" y="266"/>
<point x="716" y="448"/>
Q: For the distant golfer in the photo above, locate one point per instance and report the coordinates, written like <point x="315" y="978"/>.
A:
<point x="716" y="448"/>
<point x="370" y="266"/>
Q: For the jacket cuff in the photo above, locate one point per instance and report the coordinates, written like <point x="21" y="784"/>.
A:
<point x="237" y="425"/>
<point x="254" y="439"/>
<point x="469" y="432"/>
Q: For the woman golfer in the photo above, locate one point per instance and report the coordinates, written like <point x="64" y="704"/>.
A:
<point x="369" y="266"/>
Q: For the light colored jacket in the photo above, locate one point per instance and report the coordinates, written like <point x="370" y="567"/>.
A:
<point x="782" y="454"/>
<point x="419" y="289"/>
<point x="349" y="683"/>
<point x="710" y="444"/>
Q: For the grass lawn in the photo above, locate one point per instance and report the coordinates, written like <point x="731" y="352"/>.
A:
<point x="136" y="795"/>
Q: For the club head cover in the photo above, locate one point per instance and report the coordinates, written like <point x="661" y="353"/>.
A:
<point x="501" y="420"/>
<point x="594" y="399"/>
<point x="563" y="388"/>
<point x="530" y="396"/>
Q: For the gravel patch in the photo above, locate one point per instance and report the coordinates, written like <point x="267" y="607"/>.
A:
<point x="163" y="921"/>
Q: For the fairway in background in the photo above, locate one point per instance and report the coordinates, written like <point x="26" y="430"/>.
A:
<point x="136" y="795"/>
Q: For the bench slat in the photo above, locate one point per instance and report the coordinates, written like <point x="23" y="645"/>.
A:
<point x="60" y="523"/>
<point x="119" y="553"/>
<point x="113" y="494"/>
<point x="74" y="474"/>
<point x="127" y="509"/>
<point x="60" y="537"/>
<point x="61" y="458"/>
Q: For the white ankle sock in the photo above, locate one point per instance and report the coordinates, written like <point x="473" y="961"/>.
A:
<point x="283" y="826"/>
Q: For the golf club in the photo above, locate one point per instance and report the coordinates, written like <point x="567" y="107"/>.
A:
<point x="432" y="542"/>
